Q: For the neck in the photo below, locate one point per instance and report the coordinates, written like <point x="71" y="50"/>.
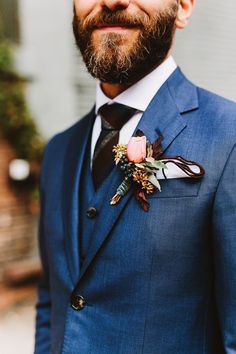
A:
<point x="113" y="90"/>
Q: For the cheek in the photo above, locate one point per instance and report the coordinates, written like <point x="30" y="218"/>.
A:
<point x="85" y="7"/>
<point x="150" y="7"/>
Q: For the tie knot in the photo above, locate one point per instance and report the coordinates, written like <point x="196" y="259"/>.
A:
<point x="115" y="115"/>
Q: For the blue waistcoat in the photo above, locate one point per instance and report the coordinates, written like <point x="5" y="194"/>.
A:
<point x="89" y="199"/>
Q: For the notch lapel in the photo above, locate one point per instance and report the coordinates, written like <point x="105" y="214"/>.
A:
<point x="164" y="113"/>
<point x="72" y="171"/>
<point x="162" y="117"/>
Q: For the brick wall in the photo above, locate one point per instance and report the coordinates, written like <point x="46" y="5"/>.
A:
<point x="17" y="224"/>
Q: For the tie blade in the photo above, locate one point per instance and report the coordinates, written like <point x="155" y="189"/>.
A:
<point x="113" y="117"/>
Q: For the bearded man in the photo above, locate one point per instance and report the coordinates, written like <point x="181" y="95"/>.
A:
<point x="139" y="257"/>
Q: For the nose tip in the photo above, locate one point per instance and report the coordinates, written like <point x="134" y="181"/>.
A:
<point x="116" y="4"/>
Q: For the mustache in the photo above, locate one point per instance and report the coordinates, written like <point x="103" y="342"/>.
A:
<point x="119" y="17"/>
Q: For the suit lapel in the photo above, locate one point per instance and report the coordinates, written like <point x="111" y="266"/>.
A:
<point x="163" y="116"/>
<point x="72" y="171"/>
<point x="164" y="113"/>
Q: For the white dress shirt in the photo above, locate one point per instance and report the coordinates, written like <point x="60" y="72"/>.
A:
<point x="137" y="96"/>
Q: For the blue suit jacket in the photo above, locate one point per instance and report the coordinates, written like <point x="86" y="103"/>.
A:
<point x="158" y="282"/>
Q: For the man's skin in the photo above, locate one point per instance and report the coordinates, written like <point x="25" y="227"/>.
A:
<point x="89" y="8"/>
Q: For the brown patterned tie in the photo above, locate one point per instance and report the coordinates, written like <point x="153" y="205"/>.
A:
<point x="113" y="117"/>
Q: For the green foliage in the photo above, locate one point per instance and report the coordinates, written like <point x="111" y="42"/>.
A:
<point x="16" y="123"/>
<point x="6" y="62"/>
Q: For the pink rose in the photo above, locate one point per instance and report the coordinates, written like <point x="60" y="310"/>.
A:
<point x="136" y="149"/>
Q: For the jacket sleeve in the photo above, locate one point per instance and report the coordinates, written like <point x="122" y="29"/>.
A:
<point x="224" y="233"/>
<point x="43" y="306"/>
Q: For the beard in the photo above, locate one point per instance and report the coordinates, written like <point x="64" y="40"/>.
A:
<point x="118" y="58"/>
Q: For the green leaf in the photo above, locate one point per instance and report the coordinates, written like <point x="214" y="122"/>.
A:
<point x="150" y="159"/>
<point x="139" y="165"/>
<point x="154" y="181"/>
<point x="157" y="165"/>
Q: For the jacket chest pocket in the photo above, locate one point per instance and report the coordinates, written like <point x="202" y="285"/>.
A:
<point x="178" y="188"/>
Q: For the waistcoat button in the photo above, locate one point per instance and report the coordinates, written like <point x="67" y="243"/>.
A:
<point x="91" y="212"/>
<point x="77" y="302"/>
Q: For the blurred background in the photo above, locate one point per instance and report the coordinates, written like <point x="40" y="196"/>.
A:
<point x="44" y="88"/>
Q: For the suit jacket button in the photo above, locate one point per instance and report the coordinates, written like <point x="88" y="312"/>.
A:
<point x="91" y="212"/>
<point x="77" y="302"/>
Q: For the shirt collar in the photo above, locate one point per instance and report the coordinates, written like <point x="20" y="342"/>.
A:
<point x="141" y="93"/>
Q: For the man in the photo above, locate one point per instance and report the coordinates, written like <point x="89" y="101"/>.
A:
<point x="118" y="279"/>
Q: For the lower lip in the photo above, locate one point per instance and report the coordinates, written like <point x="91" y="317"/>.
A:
<point x="113" y="28"/>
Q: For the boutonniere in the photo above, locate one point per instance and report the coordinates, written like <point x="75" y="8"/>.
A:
<point x="142" y="164"/>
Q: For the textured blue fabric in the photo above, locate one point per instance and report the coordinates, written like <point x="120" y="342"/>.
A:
<point x="86" y="196"/>
<point x="158" y="282"/>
